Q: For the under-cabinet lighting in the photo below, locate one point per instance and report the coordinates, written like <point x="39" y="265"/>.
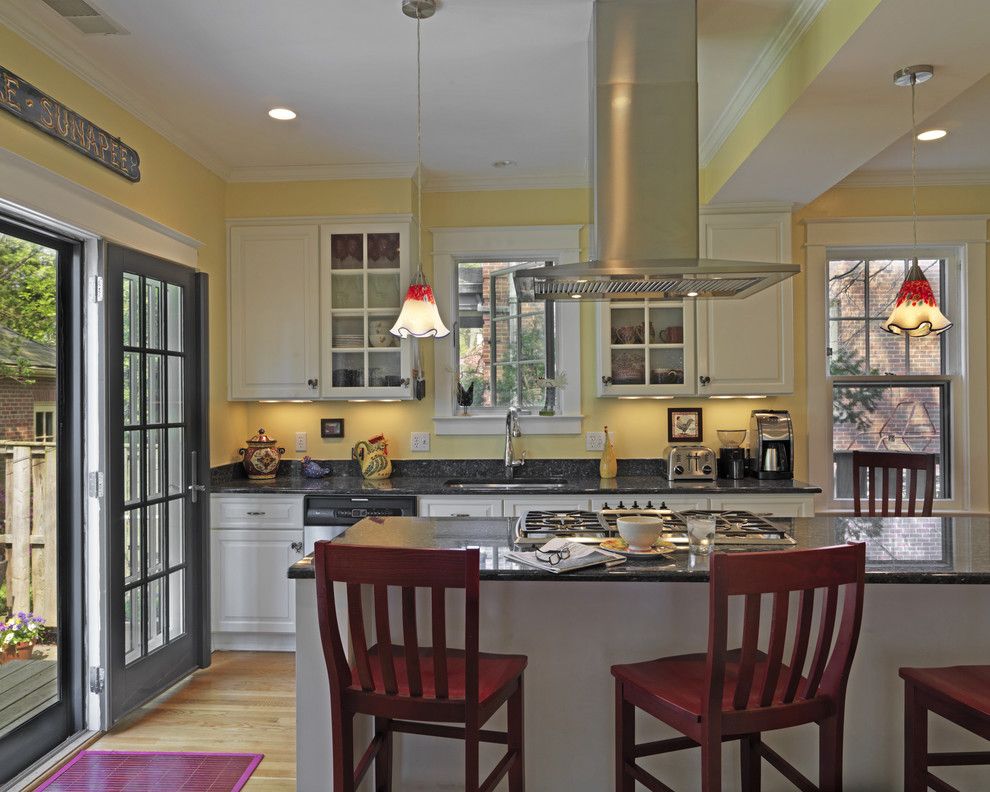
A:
<point x="737" y="397"/>
<point x="285" y="401"/>
<point x="639" y="398"/>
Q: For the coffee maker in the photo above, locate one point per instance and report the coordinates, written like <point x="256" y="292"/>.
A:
<point x="772" y="444"/>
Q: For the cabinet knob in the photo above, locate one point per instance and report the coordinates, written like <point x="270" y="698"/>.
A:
<point x="606" y="380"/>
<point x="297" y="546"/>
<point x="705" y="381"/>
<point x="313" y="383"/>
<point x="404" y="382"/>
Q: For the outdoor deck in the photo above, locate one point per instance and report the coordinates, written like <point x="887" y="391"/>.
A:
<point x="26" y="687"/>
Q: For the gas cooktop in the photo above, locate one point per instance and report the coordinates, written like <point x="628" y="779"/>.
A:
<point x="732" y="527"/>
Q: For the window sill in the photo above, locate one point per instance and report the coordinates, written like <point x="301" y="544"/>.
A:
<point x="494" y="424"/>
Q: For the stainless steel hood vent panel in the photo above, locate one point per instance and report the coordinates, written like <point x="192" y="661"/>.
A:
<point x="644" y="110"/>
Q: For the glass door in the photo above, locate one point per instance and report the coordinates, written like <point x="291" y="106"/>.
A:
<point x="41" y="600"/>
<point x="158" y="461"/>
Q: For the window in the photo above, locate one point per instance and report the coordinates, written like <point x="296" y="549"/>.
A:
<point x="889" y="392"/>
<point x="504" y="346"/>
<point x="44" y="423"/>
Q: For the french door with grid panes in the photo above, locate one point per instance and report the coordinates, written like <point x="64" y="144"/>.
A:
<point x="158" y="457"/>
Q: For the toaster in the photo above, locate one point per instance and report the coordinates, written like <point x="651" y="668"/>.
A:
<point x="688" y="463"/>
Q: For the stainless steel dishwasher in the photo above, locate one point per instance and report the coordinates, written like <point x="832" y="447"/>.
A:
<point x="328" y="516"/>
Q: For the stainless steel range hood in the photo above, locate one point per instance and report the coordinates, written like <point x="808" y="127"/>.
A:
<point x="644" y="109"/>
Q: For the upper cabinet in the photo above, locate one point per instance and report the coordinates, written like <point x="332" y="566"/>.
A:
<point x="274" y="281"/>
<point x="311" y="306"/>
<point x="746" y="347"/>
<point x="707" y="347"/>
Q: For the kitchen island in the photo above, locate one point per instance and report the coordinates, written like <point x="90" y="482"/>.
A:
<point x="574" y="627"/>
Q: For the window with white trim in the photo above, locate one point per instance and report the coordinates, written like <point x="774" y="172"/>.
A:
<point x="44" y="423"/>
<point x="505" y="347"/>
<point x="888" y="392"/>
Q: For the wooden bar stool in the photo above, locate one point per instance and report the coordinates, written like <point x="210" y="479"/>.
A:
<point x="735" y="695"/>
<point x="896" y="463"/>
<point x="960" y="694"/>
<point x="405" y="687"/>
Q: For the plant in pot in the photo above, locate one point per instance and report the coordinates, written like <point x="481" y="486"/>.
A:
<point x="18" y="635"/>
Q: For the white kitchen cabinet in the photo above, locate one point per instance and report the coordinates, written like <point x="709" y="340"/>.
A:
<point x="274" y="303"/>
<point x="364" y="272"/>
<point x="519" y="505"/>
<point x="776" y="505"/>
<point x="725" y="347"/>
<point x="746" y="347"/>
<point x="254" y="541"/>
<point x="454" y="506"/>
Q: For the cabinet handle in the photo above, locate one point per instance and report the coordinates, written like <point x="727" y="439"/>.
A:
<point x="463" y="514"/>
<point x="256" y="514"/>
<point x="705" y="381"/>
<point x="297" y="546"/>
<point x="313" y="383"/>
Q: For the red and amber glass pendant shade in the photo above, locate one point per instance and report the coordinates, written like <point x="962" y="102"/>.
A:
<point x="916" y="313"/>
<point x="419" y="317"/>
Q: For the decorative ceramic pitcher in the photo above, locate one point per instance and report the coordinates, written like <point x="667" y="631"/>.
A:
<point x="372" y="456"/>
<point x="262" y="456"/>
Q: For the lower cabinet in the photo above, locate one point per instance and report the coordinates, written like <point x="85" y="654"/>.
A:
<point x="254" y="541"/>
<point x="516" y="507"/>
<point x="776" y="506"/>
<point x="454" y="506"/>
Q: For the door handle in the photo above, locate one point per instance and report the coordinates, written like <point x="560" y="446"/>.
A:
<point x="194" y="487"/>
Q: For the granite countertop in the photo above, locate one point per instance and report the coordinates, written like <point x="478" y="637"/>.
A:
<point x="899" y="549"/>
<point x="427" y="477"/>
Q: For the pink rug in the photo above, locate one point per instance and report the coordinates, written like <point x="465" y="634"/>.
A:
<point x="148" y="771"/>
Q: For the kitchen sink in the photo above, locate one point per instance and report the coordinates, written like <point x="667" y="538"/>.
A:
<point x="506" y="484"/>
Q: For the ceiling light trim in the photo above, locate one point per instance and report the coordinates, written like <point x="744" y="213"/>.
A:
<point x="342" y="172"/>
<point x="40" y="34"/>
<point x="758" y="76"/>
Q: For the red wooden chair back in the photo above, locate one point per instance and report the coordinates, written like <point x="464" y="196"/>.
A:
<point x="751" y="575"/>
<point x="898" y="463"/>
<point x="380" y="568"/>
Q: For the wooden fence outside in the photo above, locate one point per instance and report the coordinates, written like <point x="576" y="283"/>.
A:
<point x="28" y="532"/>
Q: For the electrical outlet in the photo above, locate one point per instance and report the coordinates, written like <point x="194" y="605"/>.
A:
<point x="419" y="441"/>
<point x="594" y="441"/>
<point x="300" y="441"/>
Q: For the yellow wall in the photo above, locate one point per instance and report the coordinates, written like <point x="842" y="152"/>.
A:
<point x="640" y="426"/>
<point x="174" y="190"/>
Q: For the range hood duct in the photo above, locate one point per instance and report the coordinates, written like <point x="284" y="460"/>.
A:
<point x="644" y="115"/>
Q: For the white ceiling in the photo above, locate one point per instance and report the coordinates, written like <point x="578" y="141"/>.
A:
<point x="503" y="80"/>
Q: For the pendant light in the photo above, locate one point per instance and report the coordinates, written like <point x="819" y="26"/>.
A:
<point x="915" y="314"/>
<point x="419" y="317"/>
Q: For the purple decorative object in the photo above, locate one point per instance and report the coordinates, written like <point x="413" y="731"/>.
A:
<point x="311" y="469"/>
<point x="131" y="771"/>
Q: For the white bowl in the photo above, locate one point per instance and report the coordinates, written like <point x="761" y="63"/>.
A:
<point x="640" y="532"/>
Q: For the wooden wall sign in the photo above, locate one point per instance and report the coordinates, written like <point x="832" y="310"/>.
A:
<point x="54" y="118"/>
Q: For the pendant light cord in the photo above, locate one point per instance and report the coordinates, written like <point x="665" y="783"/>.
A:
<point x="914" y="166"/>
<point x="419" y="141"/>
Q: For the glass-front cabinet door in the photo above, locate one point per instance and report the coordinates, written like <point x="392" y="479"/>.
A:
<point x="646" y="348"/>
<point x="364" y="275"/>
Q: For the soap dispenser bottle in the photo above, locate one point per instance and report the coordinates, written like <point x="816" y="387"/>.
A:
<point x="608" y="466"/>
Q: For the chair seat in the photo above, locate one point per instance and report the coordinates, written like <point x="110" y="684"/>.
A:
<point x="679" y="681"/>
<point x="968" y="686"/>
<point x="495" y="673"/>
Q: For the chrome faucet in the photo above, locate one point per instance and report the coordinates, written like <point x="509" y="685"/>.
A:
<point x="512" y="430"/>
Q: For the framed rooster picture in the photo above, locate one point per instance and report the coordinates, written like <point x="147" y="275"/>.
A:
<point x="684" y="424"/>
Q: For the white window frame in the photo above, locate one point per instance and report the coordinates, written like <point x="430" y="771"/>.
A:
<point x="560" y="244"/>
<point x="45" y="408"/>
<point x="962" y="241"/>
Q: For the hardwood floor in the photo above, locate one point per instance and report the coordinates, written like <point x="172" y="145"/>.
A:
<point x="245" y="702"/>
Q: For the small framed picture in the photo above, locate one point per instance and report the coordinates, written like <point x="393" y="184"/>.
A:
<point x="331" y="427"/>
<point x="684" y="424"/>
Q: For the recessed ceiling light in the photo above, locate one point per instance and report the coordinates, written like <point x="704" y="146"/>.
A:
<point x="282" y="113"/>
<point x="932" y="134"/>
<point x="503" y="163"/>
<point x="692" y="294"/>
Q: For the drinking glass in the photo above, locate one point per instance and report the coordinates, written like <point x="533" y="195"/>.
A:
<point x="701" y="534"/>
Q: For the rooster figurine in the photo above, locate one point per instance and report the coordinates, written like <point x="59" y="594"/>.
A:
<point x="372" y="456"/>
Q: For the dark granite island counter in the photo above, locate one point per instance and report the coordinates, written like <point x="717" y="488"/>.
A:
<point x="573" y="633"/>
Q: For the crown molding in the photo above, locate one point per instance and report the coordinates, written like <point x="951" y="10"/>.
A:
<point x="365" y="170"/>
<point x="759" y="74"/>
<point x="546" y="181"/>
<point x="42" y="35"/>
<point x="925" y="178"/>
